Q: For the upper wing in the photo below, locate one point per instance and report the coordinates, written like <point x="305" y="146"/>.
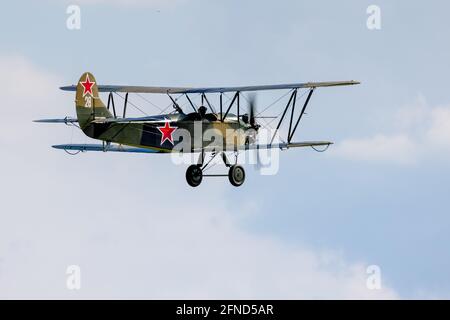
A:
<point x="182" y="90"/>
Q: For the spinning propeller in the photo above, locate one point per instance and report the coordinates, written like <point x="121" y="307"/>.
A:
<point x="251" y="118"/>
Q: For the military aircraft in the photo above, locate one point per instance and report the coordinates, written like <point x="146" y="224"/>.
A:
<point x="156" y="134"/>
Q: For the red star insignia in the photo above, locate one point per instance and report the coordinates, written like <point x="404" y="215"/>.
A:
<point x="166" y="132"/>
<point x="87" y="85"/>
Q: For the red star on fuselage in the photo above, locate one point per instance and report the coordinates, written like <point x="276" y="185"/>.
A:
<point x="87" y="85"/>
<point x="166" y="132"/>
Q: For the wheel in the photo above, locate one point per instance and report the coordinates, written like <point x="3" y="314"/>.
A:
<point x="194" y="175"/>
<point x="236" y="175"/>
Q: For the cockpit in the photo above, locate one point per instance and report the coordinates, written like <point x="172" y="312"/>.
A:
<point x="201" y="115"/>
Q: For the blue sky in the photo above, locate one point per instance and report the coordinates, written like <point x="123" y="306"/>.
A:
<point x="378" y="196"/>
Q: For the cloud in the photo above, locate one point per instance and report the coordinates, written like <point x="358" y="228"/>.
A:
<point x="419" y="131"/>
<point x="379" y="148"/>
<point x="28" y="92"/>
<point x="439" y="132"/>
<point x="24" y="83"/>
<point x="132" y="224"/>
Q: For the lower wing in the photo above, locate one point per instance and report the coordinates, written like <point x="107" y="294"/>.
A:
<point x="123" y="148"/>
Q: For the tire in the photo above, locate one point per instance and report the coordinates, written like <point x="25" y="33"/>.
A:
<point x="194" y="175"/>
<point x="236" y="175"/>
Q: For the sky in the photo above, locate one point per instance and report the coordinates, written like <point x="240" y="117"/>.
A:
<point x="377" y="197"/>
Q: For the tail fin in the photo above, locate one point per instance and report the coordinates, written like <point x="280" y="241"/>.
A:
<point x="87" y="101"/>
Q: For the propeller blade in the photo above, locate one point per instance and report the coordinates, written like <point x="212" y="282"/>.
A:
<point x="252" y="112"/>
<point x="251" y="99"/>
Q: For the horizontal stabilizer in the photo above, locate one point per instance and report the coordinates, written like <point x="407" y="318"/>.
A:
<point x="66" y="120"/>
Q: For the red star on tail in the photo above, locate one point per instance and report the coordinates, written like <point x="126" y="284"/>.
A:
<point x="87" y="85"/>
<point x="167" y="131"/>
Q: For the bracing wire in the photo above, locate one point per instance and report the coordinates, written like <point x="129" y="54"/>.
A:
<point x="150" y="102"/>
<point x="132" y="104"/>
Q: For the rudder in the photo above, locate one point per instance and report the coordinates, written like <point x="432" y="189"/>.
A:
<point x="88" y="104"/>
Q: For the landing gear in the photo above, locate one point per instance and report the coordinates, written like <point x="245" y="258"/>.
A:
<point x="236" y="175"/>
<point x="194" y="175"/>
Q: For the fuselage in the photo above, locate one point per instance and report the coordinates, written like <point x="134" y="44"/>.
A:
<point x="176" y="132"/>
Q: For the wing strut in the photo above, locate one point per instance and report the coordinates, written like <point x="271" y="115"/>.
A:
<point x="221" y="104"/>
<point x="125" y="104"/>
<point x="190" y="102"/>
<point x="177" y="106"/>
<point x="111" y="102"/>
<point x="236" y="96"/>
<point x="301" y="115"/>
<point x="207" y="101"/>
<point x="292" y="101"/>
<point x="294" y="93"/>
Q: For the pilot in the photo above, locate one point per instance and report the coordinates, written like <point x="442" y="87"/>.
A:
<point x="202" y="111"/>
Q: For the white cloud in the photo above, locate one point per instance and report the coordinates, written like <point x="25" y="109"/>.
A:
<point x="380" y="148"/>
<point x="28" y="92"/>
<point x="132" y="224"/>
<point x="439" y="132"/>
<point x="24" y="83"/>
<point x="419" y="130"/>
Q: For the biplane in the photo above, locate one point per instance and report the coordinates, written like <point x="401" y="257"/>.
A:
<point x="233" y="132"/>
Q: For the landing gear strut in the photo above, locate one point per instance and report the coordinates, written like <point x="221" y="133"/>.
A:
<point x="194" y="173"/>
